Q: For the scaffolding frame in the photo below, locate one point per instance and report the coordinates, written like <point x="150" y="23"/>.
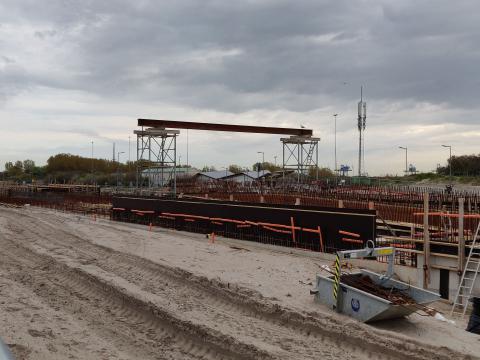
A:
<point x="300" y="153"/>
<point x="157" y="153"/>
<point x="157" y="148"/>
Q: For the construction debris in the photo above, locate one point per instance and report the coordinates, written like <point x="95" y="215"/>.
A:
<point x="365" y="283"/>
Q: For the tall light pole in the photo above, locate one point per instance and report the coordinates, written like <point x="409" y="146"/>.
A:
<point x="118" y="156"/>
<point x="275" y="158"/>
<point x="92" y="156"/>
<point x="263" y="159"/>
<point x="335" y="117"/>
<point x="362" y="123"/>
<point x="129" y="159"/>
<point x="258" y="170"/>
<point x="118" y="167"/>
<point x="450" y="161"/>
<point x="93" y="180"/>
<point x="406" y="158"/>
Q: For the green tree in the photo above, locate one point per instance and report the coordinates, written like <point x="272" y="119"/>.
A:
<point x="39" y="172"/>
<point x="236" y="169"/>
<point x="8" y="166"/>
<point x="463" y="165"/>
<point x="28" y="166"/>
<point x="266" y="166"/>
<point x="322" y="173"/>
<point x="19" y="165"/>
<point x="14" y="170"/>
<point x="208" y="168"/>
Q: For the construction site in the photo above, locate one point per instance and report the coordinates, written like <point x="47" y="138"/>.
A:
<point x="216" y="265"/>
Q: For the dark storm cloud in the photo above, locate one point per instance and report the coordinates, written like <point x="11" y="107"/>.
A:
<point x="235" y="56"/>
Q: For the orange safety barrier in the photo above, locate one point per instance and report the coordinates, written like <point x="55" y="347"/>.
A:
<point x="321" y="239"/>
<point x="227" y="220"/>
<point x="244" y="224"/>
<point x="277" y="230"/>
<point x="343" y="232"/>
<point x="279" y="225"/>
<point x="309" y="230"/>
<point x="186" y="215"/>
<point x="429" y="214"/>
<point x="353" y="241"/>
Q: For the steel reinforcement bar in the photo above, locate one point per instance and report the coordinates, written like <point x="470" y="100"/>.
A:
<point x="305" y="227"/>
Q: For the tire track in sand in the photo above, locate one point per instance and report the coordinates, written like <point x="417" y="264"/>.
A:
<point x="240" y="307"/>
<point x="188" y="291"/>
<point x="132" y="324"/>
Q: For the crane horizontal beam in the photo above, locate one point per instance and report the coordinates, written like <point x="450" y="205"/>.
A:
<point x="224" y="127"/>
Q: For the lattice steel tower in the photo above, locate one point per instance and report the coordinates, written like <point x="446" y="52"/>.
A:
<point x="362" y="123"/>
<point x="300" y="153"/>
<point x="157" y="155"/>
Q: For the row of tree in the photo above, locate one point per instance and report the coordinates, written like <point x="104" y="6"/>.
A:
<point x="23" y="169"/>
<point x="75" y="163"/>
<point x="67" y="168"/>
<point x="464" y="165"/>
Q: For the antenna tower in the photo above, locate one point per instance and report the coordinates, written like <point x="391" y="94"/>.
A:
<point x="362" y="123"/>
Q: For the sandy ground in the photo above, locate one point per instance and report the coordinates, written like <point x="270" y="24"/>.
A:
<point x="74" y="288"/>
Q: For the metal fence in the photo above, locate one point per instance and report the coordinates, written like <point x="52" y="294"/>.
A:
<point x="81" y="203"/>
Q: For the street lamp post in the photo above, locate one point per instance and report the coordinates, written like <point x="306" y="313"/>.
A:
<point x="258" y="169"/>
<point x="118" y="167"/>
<point x="450" y="160"/>
<point x="92" y="162"/>
<point x="263" y="156"/>
<point x="263" y="161"/>
<point x="129" y="159"/>
<point x="406" y="158"/>
<point x="118" y="155"/>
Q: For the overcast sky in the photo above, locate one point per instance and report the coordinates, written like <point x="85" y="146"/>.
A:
<point x="72" y="72"/>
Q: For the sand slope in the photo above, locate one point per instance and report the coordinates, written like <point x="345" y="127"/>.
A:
<point x="74" y="288"/>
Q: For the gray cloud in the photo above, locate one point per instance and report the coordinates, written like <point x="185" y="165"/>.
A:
<point x="245" y="50"/>
<point x="235" y="57"/>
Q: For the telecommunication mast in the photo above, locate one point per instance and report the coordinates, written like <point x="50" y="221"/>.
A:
<point x="362" y="122"/>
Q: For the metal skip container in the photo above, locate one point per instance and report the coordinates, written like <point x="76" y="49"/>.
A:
<point x="367" y="307"/>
